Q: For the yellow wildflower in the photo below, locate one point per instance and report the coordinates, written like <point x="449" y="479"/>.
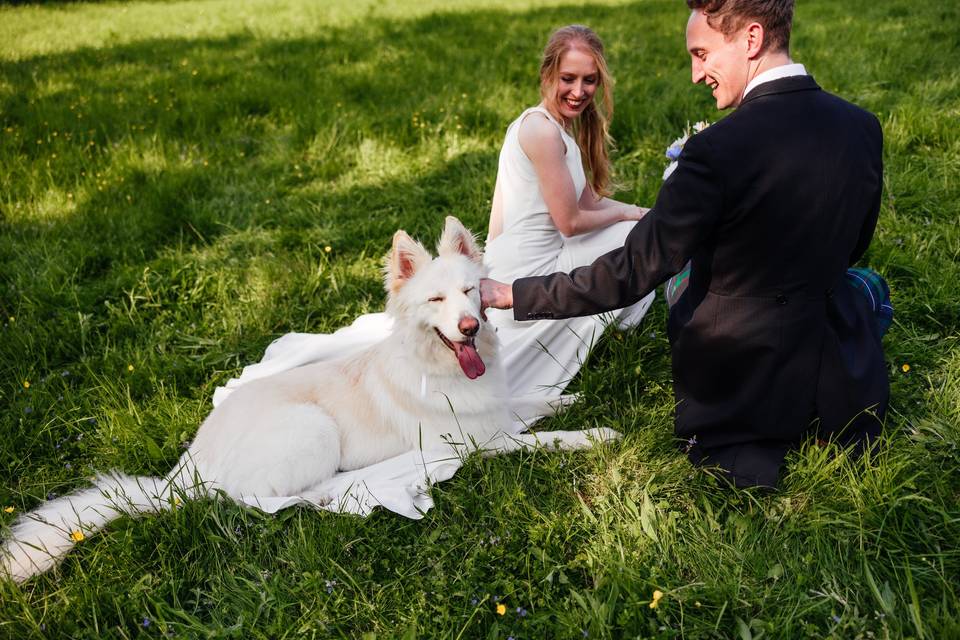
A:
<point x="76" y="535"/>
<point x="656" y="599"/>
<point x="501" y="609"/>
<point x="26" y="384"/>
<point x="905" y="368"/>
<point x="129" y="367"/>
<point x="8" y="509"/>
<point x="328" y="249"/>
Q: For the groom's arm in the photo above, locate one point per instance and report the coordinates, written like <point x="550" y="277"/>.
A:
<point x="686" y="212"/>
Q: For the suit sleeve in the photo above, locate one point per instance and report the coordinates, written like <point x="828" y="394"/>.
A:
<point x="870" y="222"/>
<point x="686" y="212"/>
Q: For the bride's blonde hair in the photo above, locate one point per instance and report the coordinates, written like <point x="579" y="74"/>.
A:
<point x="591" y="129"/>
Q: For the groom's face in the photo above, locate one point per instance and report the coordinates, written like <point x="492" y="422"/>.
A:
<point x="718" y="62"/>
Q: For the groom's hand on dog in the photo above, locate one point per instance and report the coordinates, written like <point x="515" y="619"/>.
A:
<point x="496" y="295"/>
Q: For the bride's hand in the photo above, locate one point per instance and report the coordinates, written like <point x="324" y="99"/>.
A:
<point x="635" y="213"/>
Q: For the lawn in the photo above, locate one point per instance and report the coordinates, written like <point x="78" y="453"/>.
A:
<point x="182" y="182"/>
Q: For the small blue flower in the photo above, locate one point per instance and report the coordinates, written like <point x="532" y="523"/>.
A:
<point x="521" y="612"/>
<point x="584" y="632"/>
<point x="835" y="618"/>
<point x="28" y="410"/>
<point x="330" y="584"/>
<point x="473" y="602"/>
<point x="673" y="151"/>
<point x="68" y="466"/>
<point x="145" y="623"/>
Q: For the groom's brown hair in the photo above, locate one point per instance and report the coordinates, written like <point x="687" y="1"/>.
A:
<point x="729" y="16"/>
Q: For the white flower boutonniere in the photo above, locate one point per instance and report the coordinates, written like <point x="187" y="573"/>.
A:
<point x="673" y="151"/>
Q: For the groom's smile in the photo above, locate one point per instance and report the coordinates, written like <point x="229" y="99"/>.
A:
<point x="720" y="63"/>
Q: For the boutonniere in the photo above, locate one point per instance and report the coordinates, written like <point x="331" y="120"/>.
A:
<point x="673" y="151"/>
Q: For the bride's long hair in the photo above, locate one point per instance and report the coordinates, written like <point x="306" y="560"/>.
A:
<point x="592" y="128"/>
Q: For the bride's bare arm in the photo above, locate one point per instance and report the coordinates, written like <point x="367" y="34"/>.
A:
<point x="541" y="142"/>
<point x="590" y="201"/>
<point x="496" y="212"/>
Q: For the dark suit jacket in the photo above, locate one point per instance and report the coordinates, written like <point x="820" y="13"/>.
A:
<point x="771" y="204"/>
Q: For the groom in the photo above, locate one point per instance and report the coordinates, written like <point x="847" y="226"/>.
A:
<point x="771" y="205"/>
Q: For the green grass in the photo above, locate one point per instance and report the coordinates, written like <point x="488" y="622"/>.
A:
<point x="171" y="174"/>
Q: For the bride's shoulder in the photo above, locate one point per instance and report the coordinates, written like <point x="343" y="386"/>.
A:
<point x="536" y="128"/>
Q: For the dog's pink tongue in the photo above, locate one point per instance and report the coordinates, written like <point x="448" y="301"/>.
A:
<point x="469" y="360"/>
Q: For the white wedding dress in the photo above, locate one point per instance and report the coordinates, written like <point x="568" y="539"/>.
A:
<point x="540" y="358"/>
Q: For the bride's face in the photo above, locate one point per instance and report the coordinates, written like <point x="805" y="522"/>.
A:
<point x="577" y="81"/>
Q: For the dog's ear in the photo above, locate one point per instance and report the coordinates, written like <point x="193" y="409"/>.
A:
<point x="457" y="240"/>
<point x="404" y="259"/>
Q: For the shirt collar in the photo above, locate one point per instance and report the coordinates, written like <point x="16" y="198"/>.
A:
<point x="783" y="71"/>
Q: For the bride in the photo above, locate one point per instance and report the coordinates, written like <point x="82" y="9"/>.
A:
<point x="550" y="213"/>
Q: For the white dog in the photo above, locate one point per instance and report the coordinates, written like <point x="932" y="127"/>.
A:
<point x="437" y="380"/>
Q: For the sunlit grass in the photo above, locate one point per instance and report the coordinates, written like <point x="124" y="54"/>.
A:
<point x="181" y="182"/>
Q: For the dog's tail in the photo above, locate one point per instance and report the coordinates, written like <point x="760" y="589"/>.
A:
<point x="39" y="539"/>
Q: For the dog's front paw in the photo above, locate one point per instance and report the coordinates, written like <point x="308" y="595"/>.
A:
<point x="604" y="434"/>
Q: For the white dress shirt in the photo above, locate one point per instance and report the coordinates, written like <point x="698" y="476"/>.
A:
<point x="783" y="71"/>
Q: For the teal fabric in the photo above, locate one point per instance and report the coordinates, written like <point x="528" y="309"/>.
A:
<point x="874" y="288"/>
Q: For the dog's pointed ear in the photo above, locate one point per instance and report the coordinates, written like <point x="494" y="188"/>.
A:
<point x="405" y="258"/>
<point x="456" y="239"/>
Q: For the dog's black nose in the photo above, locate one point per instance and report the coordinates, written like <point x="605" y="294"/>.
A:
<point x="468" y="326"/>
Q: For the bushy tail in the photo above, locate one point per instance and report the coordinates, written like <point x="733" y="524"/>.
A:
<point x="42" y="537"/>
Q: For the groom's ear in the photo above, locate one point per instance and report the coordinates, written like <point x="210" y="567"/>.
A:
<point x="456" y="239"/>
<point x="754" y="36"/>
<point x="406" y="257"/>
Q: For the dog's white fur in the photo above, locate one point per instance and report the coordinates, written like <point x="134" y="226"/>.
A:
<point x="285" y="434"/>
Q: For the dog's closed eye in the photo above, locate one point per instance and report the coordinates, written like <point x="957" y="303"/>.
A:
<point x="468" y="290"/>
<point x="437" y="299"/>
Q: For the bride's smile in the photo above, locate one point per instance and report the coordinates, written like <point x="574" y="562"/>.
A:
<point x="576" y="83"/>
